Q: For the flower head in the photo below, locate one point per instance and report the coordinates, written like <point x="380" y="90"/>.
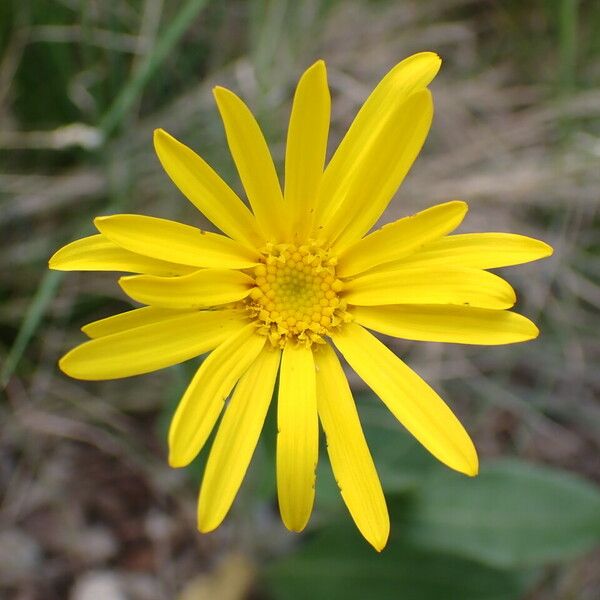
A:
<point x="293" y="276"/>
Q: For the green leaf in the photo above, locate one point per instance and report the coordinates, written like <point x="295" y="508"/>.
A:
<point x="512" y="515"/>
<point x="401" y="461"/>
<point x="339" y="564"/>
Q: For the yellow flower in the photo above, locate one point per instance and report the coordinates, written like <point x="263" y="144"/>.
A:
<point x="292" y="277"/>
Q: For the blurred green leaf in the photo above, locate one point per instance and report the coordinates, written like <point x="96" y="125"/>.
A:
<point x="337" y="563"/>
<point x="400" y="460"/>
<point x="512" y="515"/>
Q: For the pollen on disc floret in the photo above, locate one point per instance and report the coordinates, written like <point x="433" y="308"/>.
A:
<point x="296" y="297"/>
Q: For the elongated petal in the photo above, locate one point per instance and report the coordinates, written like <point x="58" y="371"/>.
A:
<point x="348" y="452"/>
<point x="131" y="319"/>
<point x="175" y="242"/>
<point x="298" y="436"/>
<point x="444" y="285"/>
<point x="454" y="324"/>
<point x="98" y="253"/>
<point x="203" y="400"/>
<point x="409" y="398"/>
<point x="381" y="170"/>
<point x="401" y="238"/>
<point x="206" y="190"/>
<point x="236" y="439"/>
<point x="152" y="346"/>
<point x="412" y="74"/>
<point x="480" y="251"/>
<point x="201" y="289"/>
<point x="253" y="161"/>
<point x="306" y="148"/>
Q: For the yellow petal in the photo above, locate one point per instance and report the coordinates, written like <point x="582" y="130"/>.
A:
<point x="201" y="289"/>
<point x="306" y="148"/>
<point x="130" y="320"/>
<point x="350" y="458"/>
<point x="203" y="400"/>
<point x="298" y="436"/>
<point x="206" y="190"/>
<point x="412" y="74"/>
<point x="381" y="170"/>
<point x="175" y="242"/>
<point x="444" y="285"/>
<point x="152" y="346"/>
<point x="400" y="238"/>
<point x="98" y="253"/>
<point x="454" y="324"/>
<point x="480" y="251"/>
<point x="236" y="439"/>
<point x="409" y="398"/>
<point x="253" y="161"/>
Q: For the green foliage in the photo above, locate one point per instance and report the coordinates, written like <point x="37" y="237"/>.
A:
<point x="512" y="515"/>
<point x="338" y="564"/>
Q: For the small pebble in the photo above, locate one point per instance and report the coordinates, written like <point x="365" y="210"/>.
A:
<point x="98" y="585"/>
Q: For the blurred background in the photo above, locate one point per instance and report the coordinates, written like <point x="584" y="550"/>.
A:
<point x="90" y="510"/>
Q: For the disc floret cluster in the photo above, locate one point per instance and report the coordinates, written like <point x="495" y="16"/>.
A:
<point x="297" y="294"/>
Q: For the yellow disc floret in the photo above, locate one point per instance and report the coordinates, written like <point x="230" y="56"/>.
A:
<point x="297" y="294"/>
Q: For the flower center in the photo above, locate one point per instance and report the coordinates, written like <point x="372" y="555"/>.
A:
<point x="297" y="294"/>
